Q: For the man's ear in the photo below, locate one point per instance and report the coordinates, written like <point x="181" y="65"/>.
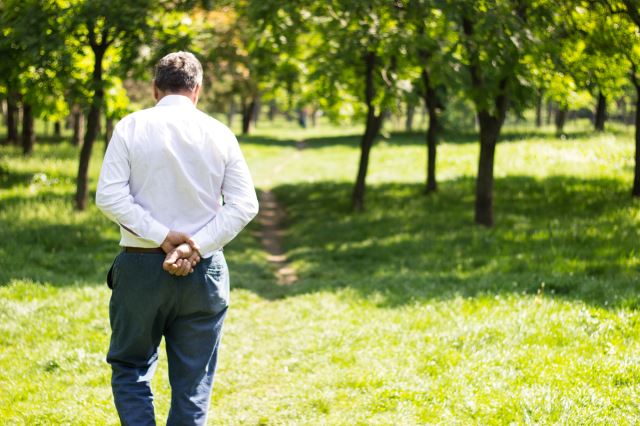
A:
<point x="196" y="93"/>
<point x="156" y="92"/>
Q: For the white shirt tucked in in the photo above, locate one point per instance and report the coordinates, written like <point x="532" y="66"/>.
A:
<point x="169" y="167"/>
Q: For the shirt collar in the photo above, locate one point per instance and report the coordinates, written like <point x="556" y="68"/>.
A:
<point x="171" y="100"/>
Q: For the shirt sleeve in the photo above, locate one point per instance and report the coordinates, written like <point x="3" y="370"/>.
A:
<point x="114" y="199"/>
<point x="240" y="204"/>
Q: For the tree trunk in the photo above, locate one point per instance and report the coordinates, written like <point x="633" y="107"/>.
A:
<point x="489" y="133"/>
<point x="231" y="112"/>
<point x="255" y="111"/>
<point x="12" y="118"/>
<point x="57" y="129"/>
<point x="272" y="110"/>
<point x="247" y="115"/>
<point x="28" y="134"/>
<point x="408" y="124"/>
<point x="539" y="110"/>
<point x="636" y="175"/>
<point x="92" y="125"/>
<point x="78" y="125"/>
<point x="302" y="117"/>
<point x="108" y="131"/>
<point x="549" y="111"/>
<point x="374" y="122"/>
<point x="431" y="104"/>
<point x="561" y="118"/>
<point x="601" y="113"/>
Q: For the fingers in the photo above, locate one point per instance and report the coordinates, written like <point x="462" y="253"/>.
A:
<point x="178" y="267"/>
<point x="194" y="259"/>
<point x="184" y="267"/>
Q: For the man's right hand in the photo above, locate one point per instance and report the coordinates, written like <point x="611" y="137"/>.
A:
<point x="182" y="253"/>
<point x="181" y="260"/>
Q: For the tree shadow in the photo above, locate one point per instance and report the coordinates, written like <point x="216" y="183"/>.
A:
<point x="9" y="179"/>
<point x="457" y="137"/>
<point x="44" y="240"/>
<point x="561" y="236"/>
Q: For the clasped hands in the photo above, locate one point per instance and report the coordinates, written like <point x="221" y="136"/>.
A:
<point x="182" y="252"/>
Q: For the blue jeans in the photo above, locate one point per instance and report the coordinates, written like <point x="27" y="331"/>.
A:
<point x="148" y="303"/>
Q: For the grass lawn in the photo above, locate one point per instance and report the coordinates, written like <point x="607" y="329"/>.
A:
<point x="406" y="314"/>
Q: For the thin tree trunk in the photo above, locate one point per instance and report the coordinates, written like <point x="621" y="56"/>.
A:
<point x="489" y="132"/>
<point x="539" y="110"/>
<point x="78" y="125"/>
<point x="57" y="129"/>
<point x="108" y="131"/>
<point x="12" y="118"/>
<point x="549" y="111"/>
<point x="374" y="122"/>
<point x="247" y="114"/>
<point x="636" y="175"/>
<point x="408" y="124"/>
<point x="490" y="126"/>
<point x="231" y="112"/>
<point x="255" y="112"/>
<point x="28" y="134"/>
<point x="302" y="117"/>
<point x="92" y="124"/>
<point x="272" y="110"/>
<point x="5" y="141"/>
<point x="601" y="113"/>
<point x="431" y="104"/>
<point x="561" y="118"/>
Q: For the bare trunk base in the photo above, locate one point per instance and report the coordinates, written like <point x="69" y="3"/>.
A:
<point x="601" y="113"/>
<point x="636" y="176"/>
<point x="28" y="134"/>
<point x="374" y="122"/>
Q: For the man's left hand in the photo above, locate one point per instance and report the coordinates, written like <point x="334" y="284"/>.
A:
<point x="181" y="260"/>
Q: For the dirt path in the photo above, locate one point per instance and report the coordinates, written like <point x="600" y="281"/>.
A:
<point x="272" y="218"/>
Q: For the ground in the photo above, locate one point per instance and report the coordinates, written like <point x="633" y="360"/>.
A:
<point x="405" y="314"/>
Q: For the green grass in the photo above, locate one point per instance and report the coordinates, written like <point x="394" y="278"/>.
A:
<point x="405" y="314"/>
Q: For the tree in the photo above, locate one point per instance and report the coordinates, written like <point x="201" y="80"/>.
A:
<point x="494" y="38"/>
<point x="36" y="60"/>
<point x="358" y="55"/>
<point x="99" y="25"/>
<point x="431" y="42"/>
<point x="624" y="21"/>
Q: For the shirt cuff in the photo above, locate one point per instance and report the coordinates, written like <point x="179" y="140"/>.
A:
<point x="158" y="232"/>
<point x="203" y="240"/>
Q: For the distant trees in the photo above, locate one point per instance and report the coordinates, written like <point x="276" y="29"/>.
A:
<point x="360" y="60"/>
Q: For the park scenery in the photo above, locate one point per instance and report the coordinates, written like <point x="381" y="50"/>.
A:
<point x="449" y="226"/>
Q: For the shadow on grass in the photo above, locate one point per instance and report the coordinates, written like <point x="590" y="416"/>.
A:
<point x="561" y="236"/>
<point x="45" y="241"/>
<point x="10" y="179"/>
<point x="418" y="138"/>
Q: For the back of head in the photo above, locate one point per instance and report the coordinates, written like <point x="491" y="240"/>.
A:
<point x="178" y="72"/>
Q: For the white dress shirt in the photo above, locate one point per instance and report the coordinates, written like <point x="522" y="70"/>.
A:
<point x="168" y="168"/>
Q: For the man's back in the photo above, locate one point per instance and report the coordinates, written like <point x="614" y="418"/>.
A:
<point x="178" y="162"/>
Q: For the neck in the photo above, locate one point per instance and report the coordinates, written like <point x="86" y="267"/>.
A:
<point x="192" y="95"/>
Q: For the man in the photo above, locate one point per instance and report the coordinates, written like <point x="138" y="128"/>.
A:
<point x="162" y="180"/>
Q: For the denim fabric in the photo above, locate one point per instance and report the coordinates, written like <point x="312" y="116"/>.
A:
<point x="148" y="303"/>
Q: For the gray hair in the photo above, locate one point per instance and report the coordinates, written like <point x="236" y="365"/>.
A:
<point x="177" y="72"/>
